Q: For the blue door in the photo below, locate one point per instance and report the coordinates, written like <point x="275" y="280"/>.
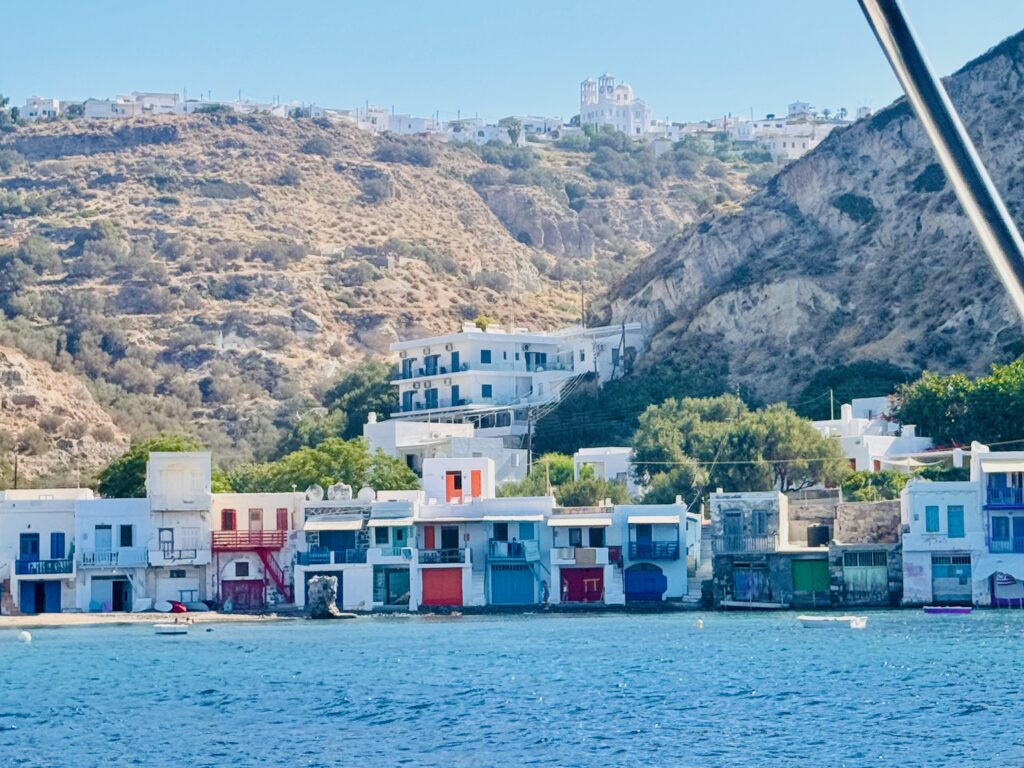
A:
<point x="1018" y="534"/>
<point x="455" y="394"/>
<point x="455" y="361"/>
<point x="27" y="597"/>
<point x="29" y="547"/>
<point x="56" y="546"/>
<point x="52" y="604"/>
<point x="512" y="585"/>
<point x="645" y="582"/>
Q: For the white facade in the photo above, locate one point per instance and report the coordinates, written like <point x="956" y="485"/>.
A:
<point x="609" y="463"/>
<point x="478" y="131"/>
<point x="871" y="439"/>
<point x="416" y="441"/>
<point x="37" y="108"/>
<point x="111" y="550"/>
<point x="381" y="120"/>
<point x="157" y="103"/>
<point x="492" y="377"/>
<point x="602" y="102"/>
<point x="111" y="108"/>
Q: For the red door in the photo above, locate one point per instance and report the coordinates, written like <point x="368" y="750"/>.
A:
<point x="583" y="585"/>
<point x="282" y="519"/>
<point x="442" y="586"/>
<point x="428" y="537"/>
<point x="244" y="594"/>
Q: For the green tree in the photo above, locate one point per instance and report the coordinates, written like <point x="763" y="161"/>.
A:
<point x="125" y="477"/>
<point x="559" y="467"/>
<point x="312" y="428"/>
<point x="865" y="378"/>
<point x="874" y="486"/>
<point x="513" y="127"/>
<point x="364" y="390"/>
<point x="332" y="461"/>
<point x="534" y="484"/>
<point x="589" y="491"/>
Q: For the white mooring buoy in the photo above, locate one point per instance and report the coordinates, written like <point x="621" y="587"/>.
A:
<point x="700" y="623"/>
<point x="24" y="637"/>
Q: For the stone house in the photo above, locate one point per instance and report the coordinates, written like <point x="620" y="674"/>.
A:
<point x="865" y="555"/>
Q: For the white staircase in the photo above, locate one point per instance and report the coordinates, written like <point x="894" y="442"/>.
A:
<point x="476" y="595"/>
<point x="615" y="588"/>
<point x="703" y="573"/>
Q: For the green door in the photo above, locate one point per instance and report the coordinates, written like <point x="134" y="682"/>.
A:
<point x="810" y="580"/>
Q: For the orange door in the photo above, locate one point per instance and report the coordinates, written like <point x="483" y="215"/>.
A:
<point x="453" y="486"/>
<point x="475" y="484"/>
<point x="442" y="586"/>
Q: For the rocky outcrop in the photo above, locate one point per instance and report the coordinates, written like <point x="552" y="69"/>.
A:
<point x="857" y="251"/>
<point x="323" y="597"/>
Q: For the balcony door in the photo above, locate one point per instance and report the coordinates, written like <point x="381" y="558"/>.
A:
<point x="643" y="533"/>
<point x="255" y="520"/>
<point x="449" y="537"/>
<point x="29" y="546"/>
<point x="1018" y="534"/>
<point x="733" y="524"/>
<point x="104" y="539"/>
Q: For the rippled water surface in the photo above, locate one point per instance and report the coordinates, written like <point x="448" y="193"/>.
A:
<point x="607" y="690"/>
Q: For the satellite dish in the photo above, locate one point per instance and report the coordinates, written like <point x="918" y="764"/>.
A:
<point x="339" y="492"/>
<point x="367" y="494"/>
<point x="315" y="493"/>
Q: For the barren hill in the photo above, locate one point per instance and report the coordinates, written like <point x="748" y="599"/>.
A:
<point x="859" y="250"/>
<point x="213" y="269"/>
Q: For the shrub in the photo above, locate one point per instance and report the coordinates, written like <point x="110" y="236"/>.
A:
<point x="104" y="433"/>
<point x="857" y="207"/>
<point x="223" y="190"/>
<point x="10" y="161"/>
<point x="715" y="169"/>
<point x="289" y="177"/>
<point x="375" y="189"/>
<point x="317" y="145"/>
<point x="278" y="254"/>
<point x="487" y="278"/>
<point x="32" y="441"/>
<point x="931" y="179"/>
<point x="50" y="422"/>
<point x="17" y="203"/>
<point x="488" y="177"/>
<point x="513" y="158"/>
<point x="393" y="149"/>
<point x="574" y="142"/>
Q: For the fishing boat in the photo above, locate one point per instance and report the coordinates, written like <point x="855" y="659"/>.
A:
<point x="747" y="605"/>
<point x="853" y="622"/>
<point x="947" y="609"/>
<point x="170" y="629"/>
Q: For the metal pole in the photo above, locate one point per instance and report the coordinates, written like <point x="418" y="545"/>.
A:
<point x="957" y="155"/>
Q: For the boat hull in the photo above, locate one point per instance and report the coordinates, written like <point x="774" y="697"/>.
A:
<point x="947" y="610"/>
<point x="833" y="622"/>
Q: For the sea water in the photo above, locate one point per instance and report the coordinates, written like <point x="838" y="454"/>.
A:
<point x="587" y="690"/>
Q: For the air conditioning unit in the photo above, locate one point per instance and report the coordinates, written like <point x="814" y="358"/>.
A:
<point x="449" y="347"/>
<point x="447" y="382"/>
<point x="427" y="385"/>
<point x="526" y="347"/>
<point x="415" y="385"/>
<point x="403" y="354"/>
<point x="426" y="350"/>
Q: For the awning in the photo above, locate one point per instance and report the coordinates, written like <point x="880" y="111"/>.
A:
<point x="514" y="518"/>
<point x="574" y="521"/>
<point x="654" y="519"/>
<point x="910" y="461"/>
<point x="333" y="524"/>
<point x="985" y="565"/>
<point x="989" y="465"/>
<point x="428" y="520"/>
<point x="390" y="522"/>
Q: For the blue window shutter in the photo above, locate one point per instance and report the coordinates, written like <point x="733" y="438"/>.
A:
<point x="56" y="546"/>
<point x="955" y="521"/>
<point x="931" y="519"/>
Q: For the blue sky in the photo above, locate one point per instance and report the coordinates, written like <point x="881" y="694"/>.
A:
<point x="688" y="60"/>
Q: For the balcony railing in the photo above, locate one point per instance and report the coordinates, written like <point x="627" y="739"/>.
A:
<point x="43" y="567"/>
<point x="124" y="557"/>
<point x="513" y="551"/>
<point x="654" y="550"/>
<point x="738" y="545"/>
<point x="324" y="556"/>
<point x="225" y="541"/>
<point x="178" y="554"/>
<point x="443" y="370"/>
<point x="1004" y="546"/>
<point x="1006" y="496"/>
<point x="432" y="556"/>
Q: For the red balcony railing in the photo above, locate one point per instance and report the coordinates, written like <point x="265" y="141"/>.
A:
<point x="227" y="541"/>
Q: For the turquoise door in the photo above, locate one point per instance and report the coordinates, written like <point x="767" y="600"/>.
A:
<point x="951" y="579"/>
<point x="955" y="518"/>
<point x="512" y="585"/>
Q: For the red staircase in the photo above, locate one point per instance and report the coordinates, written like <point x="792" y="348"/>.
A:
<point x="276" y="574"/>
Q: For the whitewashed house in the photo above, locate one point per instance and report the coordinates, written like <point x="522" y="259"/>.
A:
<point x="493" y="377"/>
<point x="37" y="549"/>
<point x="178" y="486"/>
<point x="661" y="540"/>
<point x="111" y="537"/>
<point x="602" y="102"/>
<point x="37" y="108"/>
<point x="871" y="439"/>
<point x="157" y="103"/>
<point x="122" y="106"/>
<point x="612" y="463"/>
<point x="253" y="543"/>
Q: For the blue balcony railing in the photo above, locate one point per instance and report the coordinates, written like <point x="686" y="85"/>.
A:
<point x="513" y="551"/>
<point x="1006" y="496"/>
<point x="654" y="550"/>
<point x="432" y="556"/>
<point x="324" y="556"/>
<point x="43" y="567"/>
<point x="1005" y="546"/>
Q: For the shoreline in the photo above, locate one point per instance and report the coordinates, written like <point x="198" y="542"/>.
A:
<point x="57" y="620"/>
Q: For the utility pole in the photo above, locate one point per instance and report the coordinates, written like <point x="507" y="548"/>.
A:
<point x="15" y="470"/>
<point x="583" y="307"/>
<point x="547" y="477"/>
<point x="831" y="406"/>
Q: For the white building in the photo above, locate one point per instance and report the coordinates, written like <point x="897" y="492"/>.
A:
<point x="478" y="131"/>
<point x="178" y="486"/>
<point x="416" y="441"/>
<point x="37" y="540"/>
<point x="493" y="377"/>
<point x="871" y="439"/>
<point x="602" y="102"/>
<point x="121" y="106"/>
<point x="157" y="103"/>
<point x="37" y="108"/>
<point x="111" y="541"/>
<point x="381" y="120"/>
<point x="253" y="543"/>
<point x="963" y="542"/>
<point x="608" y="463"/>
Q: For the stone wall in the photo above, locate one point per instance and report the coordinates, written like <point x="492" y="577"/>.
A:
<point x="804" y="513"/>
<point x="892" y="595"/>
<point x="867" y="522"/>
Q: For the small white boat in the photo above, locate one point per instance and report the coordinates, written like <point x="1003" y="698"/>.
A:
<point x="170" y="629"/>
<point x="853" y="622"/>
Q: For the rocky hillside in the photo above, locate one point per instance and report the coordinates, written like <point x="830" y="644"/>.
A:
<point x="857" y="251"/>
<point x="214" y="269"/>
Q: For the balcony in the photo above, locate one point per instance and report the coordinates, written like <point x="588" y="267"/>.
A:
<point x="234" y="541"/>
<point x="1005" y="497"/>
<point x="184" y="556"/>
<point x="1006" y="546"/>
<point x="513" y="551"/>
<point x="585" y="556"/>
<point x="123" y="557"/>
<point x="324" y="556"/>
<point x="654" y="550"/>
<point x="744" y="545"/>
<point x="442" y="556"/>
<point x="65" y="566"/>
